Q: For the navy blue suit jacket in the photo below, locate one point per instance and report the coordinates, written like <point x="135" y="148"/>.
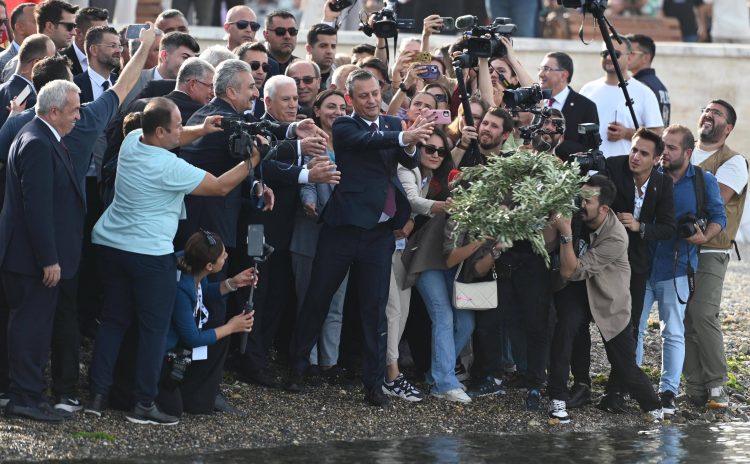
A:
<point x="42" y="220"/>
<point x="11" y="89"/>
<point x="83" y="81"/>
<point x="367" y="161"/>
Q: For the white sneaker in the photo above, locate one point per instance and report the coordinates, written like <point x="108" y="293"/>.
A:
<point x="655" y="415"/>
<point x="558" y="410"/>
<point x="456" y="395"/>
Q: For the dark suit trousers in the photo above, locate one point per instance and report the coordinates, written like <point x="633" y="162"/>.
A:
<point x="626" y="374"/>
<point x="32" y="311"/>
<point x="573" y="314"/>
<point x="637" y="295"/>
<point x="368" y="253"/>
<point x="66" y="340"/>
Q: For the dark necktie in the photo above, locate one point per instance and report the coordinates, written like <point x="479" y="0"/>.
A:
<point x="389" y="208"/>
<point x="105" y="85"/>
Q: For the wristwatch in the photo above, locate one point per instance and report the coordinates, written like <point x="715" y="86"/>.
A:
<point x="566" y="239"/>
<point x="403" y="87"/>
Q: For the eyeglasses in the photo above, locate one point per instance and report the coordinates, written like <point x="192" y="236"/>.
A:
<point x="432" y="149"/>
<point x="68" y="26"/>
<point x="546" y="69"/>
<point x="243" y="23"/>
<point x="255" y="65"/>
<point x="306" y="79"/>
<point x="112" y="46"/>
<point x="280" y="31"/>
<point x="209" y="237"/>
<point x="605" y="53"/>
<point x="713" y="112"/>
<point x="209" y="85"/>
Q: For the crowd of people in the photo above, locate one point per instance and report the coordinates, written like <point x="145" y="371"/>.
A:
<point x="134" y="182"/>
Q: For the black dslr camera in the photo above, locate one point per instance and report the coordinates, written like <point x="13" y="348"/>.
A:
<point x="242" y="136"/>
<point x="593" y="159"/>
<point x="481" y="46"/>
<point x="525" y="98"/>
<point x="386" y="25"/>
<point x="686" y="226"/>
<point x="180" y="360"/>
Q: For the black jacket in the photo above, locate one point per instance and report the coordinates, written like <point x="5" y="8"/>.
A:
<point x="657" y="212"/>
<point x="75" y="67"/>
<point x="577" y="109"/>
<point x="83" y="81"/>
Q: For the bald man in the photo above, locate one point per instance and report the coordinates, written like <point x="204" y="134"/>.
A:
<point x="241" y="25"/>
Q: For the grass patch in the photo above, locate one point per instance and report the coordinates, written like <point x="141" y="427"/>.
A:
<point x="94" y="436"/>
<point x="600" y="379"/>
<point x="653" y="373"/>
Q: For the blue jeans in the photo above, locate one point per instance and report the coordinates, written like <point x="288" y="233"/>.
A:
<point x="525" y="15"/>
<point x="451" y="328"/>
<point x="671" y="317"/>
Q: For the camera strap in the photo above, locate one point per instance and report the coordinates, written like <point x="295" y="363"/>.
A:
<point x="690" y="274"/>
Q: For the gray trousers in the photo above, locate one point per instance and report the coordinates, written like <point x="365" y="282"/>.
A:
<point x="705" y="364"/>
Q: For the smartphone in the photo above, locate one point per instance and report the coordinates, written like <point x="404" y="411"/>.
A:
<point x="23" y="95"/>
<point x="443" y="116"/>
<point x="255" y="240"/>
<point x="449" y="24"/>
<point x="134" y="31"/>
<point x="428" y="72"/>
<point x="423" y="58"/>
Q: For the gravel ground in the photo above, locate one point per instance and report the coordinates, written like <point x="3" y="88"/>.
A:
<point x="326" y="413"/>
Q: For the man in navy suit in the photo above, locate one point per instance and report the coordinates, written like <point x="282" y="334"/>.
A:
<point x="41" y="232"/>
<point x="33" y="49"/>
<point x="358" y="224"/>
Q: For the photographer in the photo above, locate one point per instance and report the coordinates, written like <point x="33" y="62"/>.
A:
<point x="605" y="269"/>
<point x="190" y="380"/>
<point x="700" y="215"/>
<point x="135" y="236"/>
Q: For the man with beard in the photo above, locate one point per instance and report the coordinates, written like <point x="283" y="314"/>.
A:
<point x="705" y="365"/>
<point x="86" y="18"/>
<point x="602" y="262"/>
<point x="696" y="195"/>
<point x="103" y="56"/>
<point x="321" y="49"/>
<point x="281" y="37"/>
<point x="551" y="136"/>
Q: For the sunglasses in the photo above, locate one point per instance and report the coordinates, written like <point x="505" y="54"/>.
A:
<point x="209" y="237"/>
<point x="432" y="149"/>
<point x="280" y="31"/>
<point x="306" y="79"/>
<point x="68" y="26"/>
<point x="243" y="23"/>
<point x="254" y="65"/>
<point x="605" y="53"/>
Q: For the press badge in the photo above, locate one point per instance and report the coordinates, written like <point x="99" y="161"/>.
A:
<point x="200" y="353"/>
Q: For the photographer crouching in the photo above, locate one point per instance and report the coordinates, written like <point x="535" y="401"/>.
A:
<point x="135" y="236"/>
<point x="195" y="357"/>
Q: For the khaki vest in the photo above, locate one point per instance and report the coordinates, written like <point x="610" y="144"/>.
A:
<point x="733" y="208"/>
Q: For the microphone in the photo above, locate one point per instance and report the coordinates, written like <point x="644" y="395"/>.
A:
<point x="465" y="22"/>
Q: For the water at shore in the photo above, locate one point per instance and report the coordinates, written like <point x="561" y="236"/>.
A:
<point x="659" y="444"/>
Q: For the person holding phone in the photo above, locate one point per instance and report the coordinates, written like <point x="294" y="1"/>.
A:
<point x="198" y="391"/>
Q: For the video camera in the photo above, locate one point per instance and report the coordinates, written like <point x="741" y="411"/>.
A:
<point x="242" y="136"/>
<point x="593" y="159"/>
<point x="591" y="6"/>
<point x="525" y="98"/>
<point x="386" y="25"/>
<point x="481" y="46"/>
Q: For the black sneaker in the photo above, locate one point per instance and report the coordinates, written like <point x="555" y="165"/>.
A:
<point x="612" y="402"/>
<point x="580" y="395"/>
<point x="488" y="386"/>
<point x="43" y="412"/>
<point x="222" y="405"/>
<point x="403" y="389"/>
<point x="516" y="380"/>
<point x="68" y="403"/>
<point x="376" y="397"/>
<point x="557" y="410"/>
<point x="150" y="415"/>
<point x="295" y="382"/>
<point x="259" y="377"/>
<point x="667" y="402"/>
<point x="533" y="400"/>
<point x="96" y="405"/>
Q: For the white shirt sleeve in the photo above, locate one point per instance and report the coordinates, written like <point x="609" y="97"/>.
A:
<point x="733" y="173"/>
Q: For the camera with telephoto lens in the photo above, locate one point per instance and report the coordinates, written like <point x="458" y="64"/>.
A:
<point x="479" y="44"/>
<point x="593" y="159"/>
<point x="686" y="226"/>
<point x="386" y="25"/>
<point x="180" y="361"/>
<point x="591" y="6"/>
<point x="242" y="136"/>
<point x="525" y="98"/>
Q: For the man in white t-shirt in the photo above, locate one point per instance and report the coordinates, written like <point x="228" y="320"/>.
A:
<point x="615" y="123"/>
<point x="705" y="367"/>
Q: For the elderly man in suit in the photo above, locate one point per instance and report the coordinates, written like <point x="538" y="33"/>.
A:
<point x="358" y="224"/>
<point x="555" y="73"/>
<point x="41" y="232"/>
<point x="33" y="49"/>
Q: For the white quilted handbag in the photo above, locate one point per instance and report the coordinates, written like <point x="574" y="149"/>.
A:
<point x="477" y="296"/>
